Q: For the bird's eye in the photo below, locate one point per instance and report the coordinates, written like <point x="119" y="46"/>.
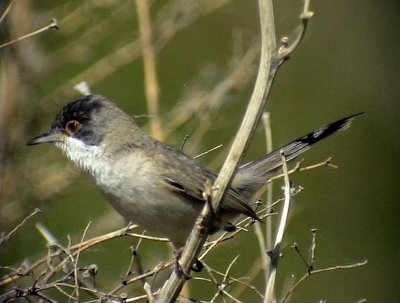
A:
<point x="72" y="127"/>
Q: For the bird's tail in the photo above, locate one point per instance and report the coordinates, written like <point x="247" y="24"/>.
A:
<point x="252" y="176"/>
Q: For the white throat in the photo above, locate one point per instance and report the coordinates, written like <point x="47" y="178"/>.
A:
<point x="87" y="157"/>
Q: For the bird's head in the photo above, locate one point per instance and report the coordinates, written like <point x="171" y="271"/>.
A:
<point x="87" y="128"/>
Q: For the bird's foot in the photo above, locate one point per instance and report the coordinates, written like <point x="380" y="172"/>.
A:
<point x="180" y="271"/>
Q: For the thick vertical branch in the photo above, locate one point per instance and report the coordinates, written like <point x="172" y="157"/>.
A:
<point x="265" y="76"/>
<point x="256" y="104"/>
<point x="149" y="62"/>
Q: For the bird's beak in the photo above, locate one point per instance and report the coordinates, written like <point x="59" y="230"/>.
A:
<point x="48" y="137"/>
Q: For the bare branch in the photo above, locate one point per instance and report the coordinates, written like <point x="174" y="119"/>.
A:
<point x="76" y="261"/>
<point x="6" y="11"/>
<point x="318" y="271"/>
<point x="159" y="267"/>
<point x="265" y="241"/>
<point x="198" y="236"/>
<point x="254" y="110"/>
<point x="299" y="168"/>
<point x="150" y="72"/>
<point x="311" y="263"/>
<point x="52" y="25"/>
<point x="80" y="246"/>
<point x="150" y="296"/>
<point x="225" y="280"/>
<point x="275" y="253"/>
<point x="266" y="118"/>
<point x="4" y="239"/>
<point x="305" y="16"/>
<point x="208" y="151"/>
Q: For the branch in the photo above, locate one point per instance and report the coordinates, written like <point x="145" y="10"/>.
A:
<point x="299" y="168"/>
<point x="6" y="11"/>
<point x="149" y="63"/>
<point x="80" y="247"/>
<point x="52" y="25"/>
<point x="76" y="262"/>
<point x="266" y="73"/>
<point x="305" y="16"/>
<point x="265" y="242"/>
<point x="4" y="239"/>
<point x="275" y="253"/>
<point x="318" y="271"/>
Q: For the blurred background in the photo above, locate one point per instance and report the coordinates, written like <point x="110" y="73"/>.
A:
<point x="206" y="54"/>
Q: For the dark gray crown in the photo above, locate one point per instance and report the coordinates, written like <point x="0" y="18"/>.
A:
<point x="83" y="110"/>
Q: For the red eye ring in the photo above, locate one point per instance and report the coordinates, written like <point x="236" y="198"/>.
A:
<point x="72" y="127"/>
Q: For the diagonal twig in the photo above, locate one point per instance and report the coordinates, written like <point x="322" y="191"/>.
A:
<point x="318" y="271"/>
<point x="52" y="25"/>
<point x="4" y="239"/>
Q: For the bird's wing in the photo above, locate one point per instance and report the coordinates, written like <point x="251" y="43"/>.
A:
<point x="183" y="175"/>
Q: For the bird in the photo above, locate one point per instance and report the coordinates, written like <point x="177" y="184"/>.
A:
<point x="152" y="184"/>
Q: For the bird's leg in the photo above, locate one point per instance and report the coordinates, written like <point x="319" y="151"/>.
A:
<point x="178" y="267"/>
<point x="196" y="267"/>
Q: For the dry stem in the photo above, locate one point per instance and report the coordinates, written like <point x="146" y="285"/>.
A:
<point x="256" y="105"/>
<point x="150" y="71"/>
<point x="52" y="25"/>
<point x="318" y="271"/>
<point x="4" y="239"/>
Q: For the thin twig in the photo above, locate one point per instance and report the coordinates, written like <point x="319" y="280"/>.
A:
<point x="229" y="235"/>
<point x="275" y="253"/>
<point x="7" y="10"/>
<point x="131" y="262"/>
<point x="250" y="275"/>
<point x="299" y="168"/>
<point x="76" y="261"/>
<point x="305" y="17"/>
<point x="230" y="296"/>
<point x="229" y="269"/>
<point x="80" y="246"/>
<point x="159" y="267"/>
<point x="64" y="292"/>
<point x="147" y="289"/>
<point x="208" y="151"/>
<point x="312" y="249"/>
<point x="16" y="228"/>
<point x="52" y="25"/>
<point x="318" y="271"/>
<point x="184" y="142"/>
<point x="146" y="237"/>
<point x="214" y="280"/>
<point x="266" y="118"/>
<point x="264" y="241"/>
<point x="297" y="249"/>
<point x="227" y="281"/>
